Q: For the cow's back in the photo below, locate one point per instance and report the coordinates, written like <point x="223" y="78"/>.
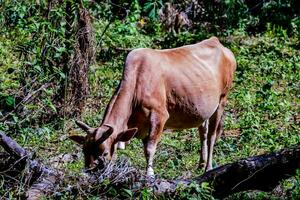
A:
<point x="188" y="80"/>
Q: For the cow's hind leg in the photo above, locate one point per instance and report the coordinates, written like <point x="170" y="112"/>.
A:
<point x="214" y="130"/>
<point x="203" y="130"/>
<point x="158" y="120"/>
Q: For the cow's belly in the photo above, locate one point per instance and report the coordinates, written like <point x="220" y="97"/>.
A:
<point x="189" y="115"/>
<point x="181" y="115"/>
<point x="178" y="120"/>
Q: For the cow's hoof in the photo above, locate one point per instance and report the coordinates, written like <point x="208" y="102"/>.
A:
<point x="208" y="168"/>
<point x="150" y="172"/>
<point x="150" y="178"/>
<point x="202" y="165"/>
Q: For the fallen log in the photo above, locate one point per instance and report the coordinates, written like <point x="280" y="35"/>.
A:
<point x="263" y="172"/>
<point x="11" y="147"/>
<point x="42" y="180"/>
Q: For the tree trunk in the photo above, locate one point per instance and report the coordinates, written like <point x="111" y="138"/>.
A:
<point x="76" y="88"/>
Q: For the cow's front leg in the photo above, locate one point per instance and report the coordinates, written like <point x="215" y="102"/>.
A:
<point x="149" y="150"/>
<point x="157" y="120"/>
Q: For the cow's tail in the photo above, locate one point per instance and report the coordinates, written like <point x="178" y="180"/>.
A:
<point x="220" y="128"/>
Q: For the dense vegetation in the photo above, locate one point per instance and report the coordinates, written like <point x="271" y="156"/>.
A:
<point x="39" y="42"/>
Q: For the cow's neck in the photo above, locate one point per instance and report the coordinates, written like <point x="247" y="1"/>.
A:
<point x="119" y="109"/>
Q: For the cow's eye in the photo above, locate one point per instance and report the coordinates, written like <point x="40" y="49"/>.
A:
<point x="105" y="154"/>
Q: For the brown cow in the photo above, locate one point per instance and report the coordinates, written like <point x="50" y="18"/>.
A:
<point x="177" y="88"/>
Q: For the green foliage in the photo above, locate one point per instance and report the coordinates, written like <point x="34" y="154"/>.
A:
<point x="263" y="107"/>
<point x="152" y="7"/>
<point x="295" y="190"/>
<point x="194" y="191"/>
<point x="253" y="16"/>
<point x="123" y="34"/>
<point x="43" y="45"/>
<point x="9" y="64"/>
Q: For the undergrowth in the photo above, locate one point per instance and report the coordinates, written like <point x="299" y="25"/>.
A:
<point x="262" y="114"/>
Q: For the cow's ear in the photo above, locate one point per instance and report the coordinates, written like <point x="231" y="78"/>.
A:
<point x="126" y="135"/>
<point x="77" y="138"/>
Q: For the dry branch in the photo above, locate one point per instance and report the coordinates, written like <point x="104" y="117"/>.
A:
<point x="262" y="172"/>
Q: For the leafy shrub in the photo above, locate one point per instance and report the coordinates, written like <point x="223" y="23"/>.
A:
<point x="45" y="44"/>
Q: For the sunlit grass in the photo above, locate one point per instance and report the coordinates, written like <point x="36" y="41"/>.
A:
<point x="262" y="114"/>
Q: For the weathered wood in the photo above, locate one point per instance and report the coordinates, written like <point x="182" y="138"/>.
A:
<point x="263" y="172"/>
<point x="11" y="146"/>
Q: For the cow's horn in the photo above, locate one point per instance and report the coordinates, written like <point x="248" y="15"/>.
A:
<point x="84" y="126"/>
<point x="109" y="126"/>
<point x="101" y="136"/>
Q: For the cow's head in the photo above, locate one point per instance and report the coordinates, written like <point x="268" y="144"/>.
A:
<point x="100" y="143"/>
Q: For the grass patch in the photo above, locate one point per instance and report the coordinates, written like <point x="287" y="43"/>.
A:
<point x="262" y="115"/>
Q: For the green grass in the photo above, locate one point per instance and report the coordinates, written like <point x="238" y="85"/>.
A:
<point x="262" y="114"/>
